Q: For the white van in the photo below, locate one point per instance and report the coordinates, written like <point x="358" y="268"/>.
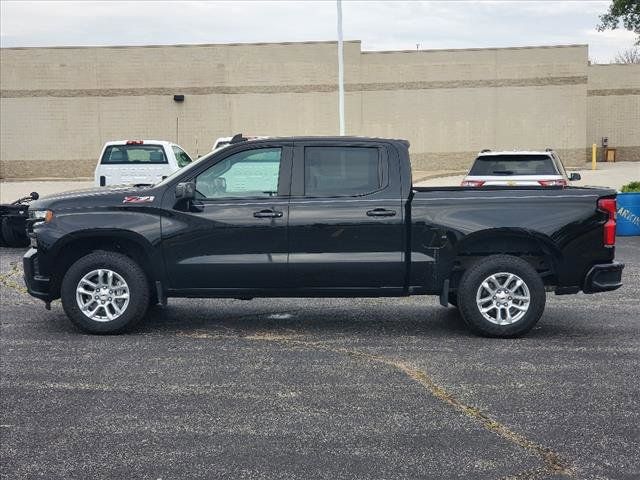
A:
<point x="138" y="161"/>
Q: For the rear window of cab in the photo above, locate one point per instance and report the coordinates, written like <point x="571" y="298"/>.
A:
<point x="513" y="165"/>
<point x="133" y="154"/>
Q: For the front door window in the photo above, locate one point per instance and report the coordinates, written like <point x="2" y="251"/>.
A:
<point x="250" y="173"/>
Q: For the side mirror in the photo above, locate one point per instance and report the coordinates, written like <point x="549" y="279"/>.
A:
<point x="186" y="191"/>
<point x="34" y="195"/>
<point x="575" y="176"/>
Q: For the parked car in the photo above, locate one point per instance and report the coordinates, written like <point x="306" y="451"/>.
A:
<point x="13" y="218"/>
<point x="320" y="217"/>
<point x="533" y="168"/>
<point x="138" y="161"/>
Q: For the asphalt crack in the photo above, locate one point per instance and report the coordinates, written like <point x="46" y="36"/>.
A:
<point x="553" y="463"/>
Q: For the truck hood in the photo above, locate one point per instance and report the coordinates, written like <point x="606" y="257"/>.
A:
<point x="96" y="197"/>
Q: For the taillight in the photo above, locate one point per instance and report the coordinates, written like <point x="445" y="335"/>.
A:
<point x="472" y="183"/>
<point x="135" y="142"/>
<point x="553" y="183"/>
<point x="608" y="205"/>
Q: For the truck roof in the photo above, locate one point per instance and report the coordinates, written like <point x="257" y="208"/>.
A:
<point x="329" y="138"/>
<point x="515" y="152"/>
<point x="153" y="142"/>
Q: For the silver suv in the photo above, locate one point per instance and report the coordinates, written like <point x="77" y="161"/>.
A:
<point x="530" y="168"/>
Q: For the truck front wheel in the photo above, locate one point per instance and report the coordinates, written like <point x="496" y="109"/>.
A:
<point x="501" y="296"/>
<point x="105" y="292"/>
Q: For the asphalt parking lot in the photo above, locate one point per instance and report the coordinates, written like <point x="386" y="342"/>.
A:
<point x="330" y="388"/>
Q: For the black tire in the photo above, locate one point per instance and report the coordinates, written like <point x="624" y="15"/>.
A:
<point x="11" y="236"/>
<point x="124" y="266"/>
<point x="471" y="282"/>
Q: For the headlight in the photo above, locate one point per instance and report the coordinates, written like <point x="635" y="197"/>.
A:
<point x="41" y="215"/>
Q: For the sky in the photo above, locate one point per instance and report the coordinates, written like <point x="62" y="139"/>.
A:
<point x="380" y="25"/>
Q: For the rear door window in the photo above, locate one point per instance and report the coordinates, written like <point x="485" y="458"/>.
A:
<point x="490" y="165"/>
<point x="342" y="171"/>
<point x="134" y="154"/>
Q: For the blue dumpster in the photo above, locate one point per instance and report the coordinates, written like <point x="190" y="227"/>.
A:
<point x="628" y="219"/>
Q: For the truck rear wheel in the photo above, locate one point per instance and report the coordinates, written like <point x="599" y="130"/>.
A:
<point x="105" y="292"/>
<point x="501" y="296"/>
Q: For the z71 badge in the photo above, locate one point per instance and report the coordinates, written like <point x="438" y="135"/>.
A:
<point x="135" y="199"/>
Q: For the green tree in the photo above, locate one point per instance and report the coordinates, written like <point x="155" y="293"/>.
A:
<point x="625" y="11"/>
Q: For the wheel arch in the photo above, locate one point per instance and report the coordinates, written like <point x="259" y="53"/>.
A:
<point x="536" y="248"/>
<point x="74" y="246"/>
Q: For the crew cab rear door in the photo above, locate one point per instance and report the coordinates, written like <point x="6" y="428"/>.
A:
<point x="346" y="221"/>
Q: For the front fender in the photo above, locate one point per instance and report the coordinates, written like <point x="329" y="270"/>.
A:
<point x="95" y="229"/>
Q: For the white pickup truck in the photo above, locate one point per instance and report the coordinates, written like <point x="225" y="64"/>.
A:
<point x="127" y="162"/>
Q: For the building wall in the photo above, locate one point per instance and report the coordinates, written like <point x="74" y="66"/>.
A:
<point x="613" y="109"/>
<point x="59" y="105"/>
<point x="453" y="103"/>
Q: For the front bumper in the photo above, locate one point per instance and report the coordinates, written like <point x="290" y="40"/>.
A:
<point x="603" y="278"/>
<point x="37" y="285"/>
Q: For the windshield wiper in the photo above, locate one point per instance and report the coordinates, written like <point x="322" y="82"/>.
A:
<point x="503" y="172"/>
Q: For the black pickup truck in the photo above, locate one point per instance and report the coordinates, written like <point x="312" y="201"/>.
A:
<point x="318" y="217"/>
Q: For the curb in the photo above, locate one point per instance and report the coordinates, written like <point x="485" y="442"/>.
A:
<point x="46" y="179"/>
<point x="428" y="176"/>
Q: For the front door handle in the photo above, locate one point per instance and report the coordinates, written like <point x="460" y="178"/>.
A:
<point x="267" y="214"/>
<point x="381" y="212"/>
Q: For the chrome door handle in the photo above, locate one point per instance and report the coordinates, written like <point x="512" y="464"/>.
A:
<point x="381" y="212"/>
<point x="267" y="214"/>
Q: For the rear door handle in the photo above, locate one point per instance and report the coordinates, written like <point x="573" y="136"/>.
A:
<point x="381" y="212"/>
<point x="267" y="214"/>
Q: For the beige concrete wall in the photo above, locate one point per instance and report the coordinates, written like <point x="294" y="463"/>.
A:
<point x="452" y="103"/>
<point x="59" y="105"/>
<point x="613" y="109"/>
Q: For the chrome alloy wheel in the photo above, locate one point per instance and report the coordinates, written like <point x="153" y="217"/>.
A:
<point x="503" y="298"/>
<point x="102" y="295"/>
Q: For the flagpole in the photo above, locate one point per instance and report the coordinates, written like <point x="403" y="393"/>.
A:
<point x="340" y="69"/>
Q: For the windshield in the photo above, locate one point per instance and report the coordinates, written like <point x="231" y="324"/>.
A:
<point x="513" y="165"/>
